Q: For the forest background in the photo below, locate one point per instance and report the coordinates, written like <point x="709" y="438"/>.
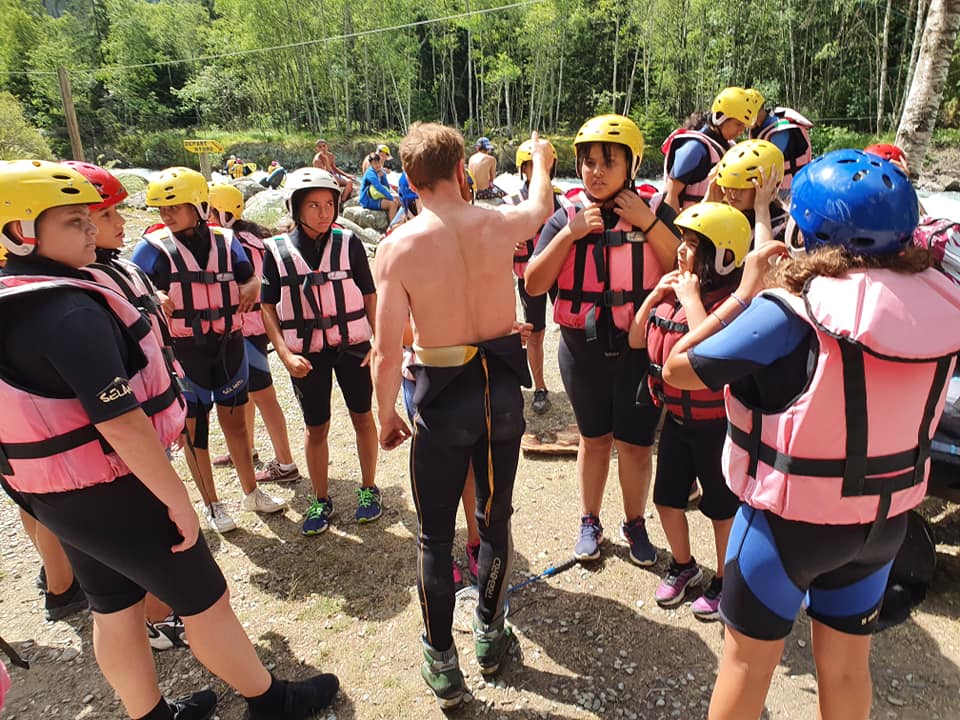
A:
<point x="146" y="75"/>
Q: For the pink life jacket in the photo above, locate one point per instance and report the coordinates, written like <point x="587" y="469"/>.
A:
<point x="666" y="325"/>
<point x="788" y="119"/>
<point x="126" y="278"/>
<point x="942" y="238"/>
<point x="854" y="446"/>
<point x="205" y="299"/>
<point x="694" y="192"/>
<point x="612" y="269"/>
<point x="521" y="258"/>
<point x="49" y="444"/>
<point x="327" y="299"/>
<point x="252" y="322"/>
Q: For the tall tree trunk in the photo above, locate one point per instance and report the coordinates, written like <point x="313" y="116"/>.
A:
<point x="922" y="7"/>
<point x="616" y="51"/>
<point x="885" y="50"/>
<point x="633" y="74"/>
<point x="926" y="90"/>
<point x="469" y="68"/>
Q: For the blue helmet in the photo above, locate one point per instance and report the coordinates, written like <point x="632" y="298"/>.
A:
<point x="856" y="200"/>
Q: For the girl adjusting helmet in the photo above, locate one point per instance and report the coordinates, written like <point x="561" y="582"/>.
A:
<point x="741" y="165"/>
<point x="612" y="129"/>
<point x="725" y="227"/>
<point x="29" y="188"/>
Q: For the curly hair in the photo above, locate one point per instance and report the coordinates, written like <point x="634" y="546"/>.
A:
<point x="834" y="261"/>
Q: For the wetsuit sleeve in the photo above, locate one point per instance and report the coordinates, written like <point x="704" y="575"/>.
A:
<point x="154" y="263"/>
<point x="557" y="222"/>
<point x="242" y="267"/>
<point x="764" y="333"/>
<point x="688" y="162"/>
<point x="667" y="214"/>
<point x="84" y="352"/>
<point x="360" y="265"/>
<point x="270" y="290"/>
<point x="782" y="141"/>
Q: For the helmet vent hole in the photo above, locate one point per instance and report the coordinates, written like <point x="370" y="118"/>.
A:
<point x="887" y="181"/>
<point x="61" y="176"/>
<point x="859" y="175"/>
<point x="70" y="191"/>
<point x="875" y="163"/>
<point x="823" y="236"/>
<point x="862" y="242"/>
<point x="844" y="161"/>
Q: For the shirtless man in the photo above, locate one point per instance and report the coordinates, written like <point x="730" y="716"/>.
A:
<point x="325" y="160"/>
<point x="449" y="269"/>
<point x="483" y="167"/>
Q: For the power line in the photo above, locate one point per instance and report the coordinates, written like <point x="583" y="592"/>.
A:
<point x="288" y="46"/>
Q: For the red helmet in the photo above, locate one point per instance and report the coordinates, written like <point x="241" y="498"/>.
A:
<point x="110" y="189"/>
<point x="886" y="151"/>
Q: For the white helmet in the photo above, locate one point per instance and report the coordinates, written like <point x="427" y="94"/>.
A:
<point x="308" y="178"/>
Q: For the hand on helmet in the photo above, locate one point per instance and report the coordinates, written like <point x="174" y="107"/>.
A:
<point x="542" y="149"/>
<point x="633" y="209"/>
<point x="767" y="185"/>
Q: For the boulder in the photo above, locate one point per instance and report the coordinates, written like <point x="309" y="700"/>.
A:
<point x="352" y="202"/>
<point x="131" y="181"/>
<point x="248" y="186"/>
<point x="367" y="235"/>
<point x="374" y="219"/>
<point x="137" y="200"/>
<point x="266" y="208"/>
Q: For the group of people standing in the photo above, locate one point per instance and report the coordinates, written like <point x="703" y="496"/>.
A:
<point x="746" y="319"/>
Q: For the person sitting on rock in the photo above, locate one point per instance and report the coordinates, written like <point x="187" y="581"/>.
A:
<point x="325" y="160"/>
<point x="375" y="193"/>
<point x="483" y="167"/>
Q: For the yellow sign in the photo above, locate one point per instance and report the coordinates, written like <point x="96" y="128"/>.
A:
<point x="202" y="146"/>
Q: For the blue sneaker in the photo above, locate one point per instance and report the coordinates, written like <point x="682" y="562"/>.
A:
<point x="591" y="535"/>
<point x="369" y="507"/>
<point x="642" y="551"/>
<point x="318" y="516"/>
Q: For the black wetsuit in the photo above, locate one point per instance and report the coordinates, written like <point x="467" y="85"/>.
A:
<point x="454" y="425"/>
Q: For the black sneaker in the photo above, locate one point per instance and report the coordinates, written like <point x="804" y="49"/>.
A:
<point x="58" y="607"/>
<point x="199" y="706"/>
<point x="541" y="403"/>
<point x="41" y="579"/>
<point x="302" y="698"/>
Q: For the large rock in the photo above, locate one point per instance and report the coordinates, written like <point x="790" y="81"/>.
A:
<point x="131" y="181"/>
<point x="137" y="200"/>
<point x="368" y="236"/>
<point x="248" y="186"/>
<point x="374" y="219"/>
<point x="266" y="208"/>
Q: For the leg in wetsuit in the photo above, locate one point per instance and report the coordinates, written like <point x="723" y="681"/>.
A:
<point x="452" y="428"/>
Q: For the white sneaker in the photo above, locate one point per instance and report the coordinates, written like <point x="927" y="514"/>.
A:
<point x="218" y="518"/>
<point x="259" y="501"/>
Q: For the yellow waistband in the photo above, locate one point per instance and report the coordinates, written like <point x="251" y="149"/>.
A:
<point x="452" y="356"/>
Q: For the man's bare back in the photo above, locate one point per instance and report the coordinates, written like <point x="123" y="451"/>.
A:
<point x="483" y="167"/>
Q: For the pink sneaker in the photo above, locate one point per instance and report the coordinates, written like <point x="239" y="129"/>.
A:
<point x="457" y="577"/>
<point x="473" y="556"/>
<point x="707" y="606"/>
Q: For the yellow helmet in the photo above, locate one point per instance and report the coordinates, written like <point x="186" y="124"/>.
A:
<point x="756" y="97"/>
<point x="28" y="187"/>
<point x="227" y="201"/>
<point x="737" y="104"/>
<point x="742" y="163"/>
<point x="724" y="226"/>
<point x="525" y="152"/>
<point x="613" y="129"/>
<point x="3" y="255"/>
<point x="178" y="186"/>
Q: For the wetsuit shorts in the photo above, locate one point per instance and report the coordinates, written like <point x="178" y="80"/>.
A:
<point x="258" y="366"/>
<point x="370" y="203"/>
<point x="215" y="369"/>
<point x="117" y="536"/>
<point x="534" y="308"/>
<point x="608" y="394"/>
<point x="775" y="566"/>
<point x="688" y="451"/>
<point x="313" y="391"/>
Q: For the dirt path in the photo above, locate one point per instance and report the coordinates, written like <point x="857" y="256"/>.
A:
<point x="593" y="643"/>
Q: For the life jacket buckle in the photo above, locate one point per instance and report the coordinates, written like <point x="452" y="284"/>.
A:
<point x="223" y="277"/>
<point x="613" y="298"/>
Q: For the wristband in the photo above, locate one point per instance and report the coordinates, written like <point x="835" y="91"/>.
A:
<point x="719" y="319"/>
<point x="743" y="304"/>
<point x="651" y="226"/>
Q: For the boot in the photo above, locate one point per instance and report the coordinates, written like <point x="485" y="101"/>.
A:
<point x="441" y="672"/>
<point x="491" y="642"/>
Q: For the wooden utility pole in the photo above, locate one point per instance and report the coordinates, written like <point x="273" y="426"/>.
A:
<point x="70" y="113"/>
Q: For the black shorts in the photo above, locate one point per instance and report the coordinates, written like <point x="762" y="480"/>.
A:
<point x="608" y="394"/>
<point x="774" y="565"/>
<point x="534" y="308"/>
<point x="313" y="391"/>
<point x="117" y="536"/>
<point x="258" y="366"/>
<point x="689" y="451"/>
<point x="216" y="371"/>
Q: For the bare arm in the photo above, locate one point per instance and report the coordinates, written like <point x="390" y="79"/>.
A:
<point x="671" y="193"/>
<point x="133" y="438"/>
<point x="297" y="365"/>
<point x="392" y="316"/>
<point x="522" y="221"/>
<point x="663" y="242"/>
